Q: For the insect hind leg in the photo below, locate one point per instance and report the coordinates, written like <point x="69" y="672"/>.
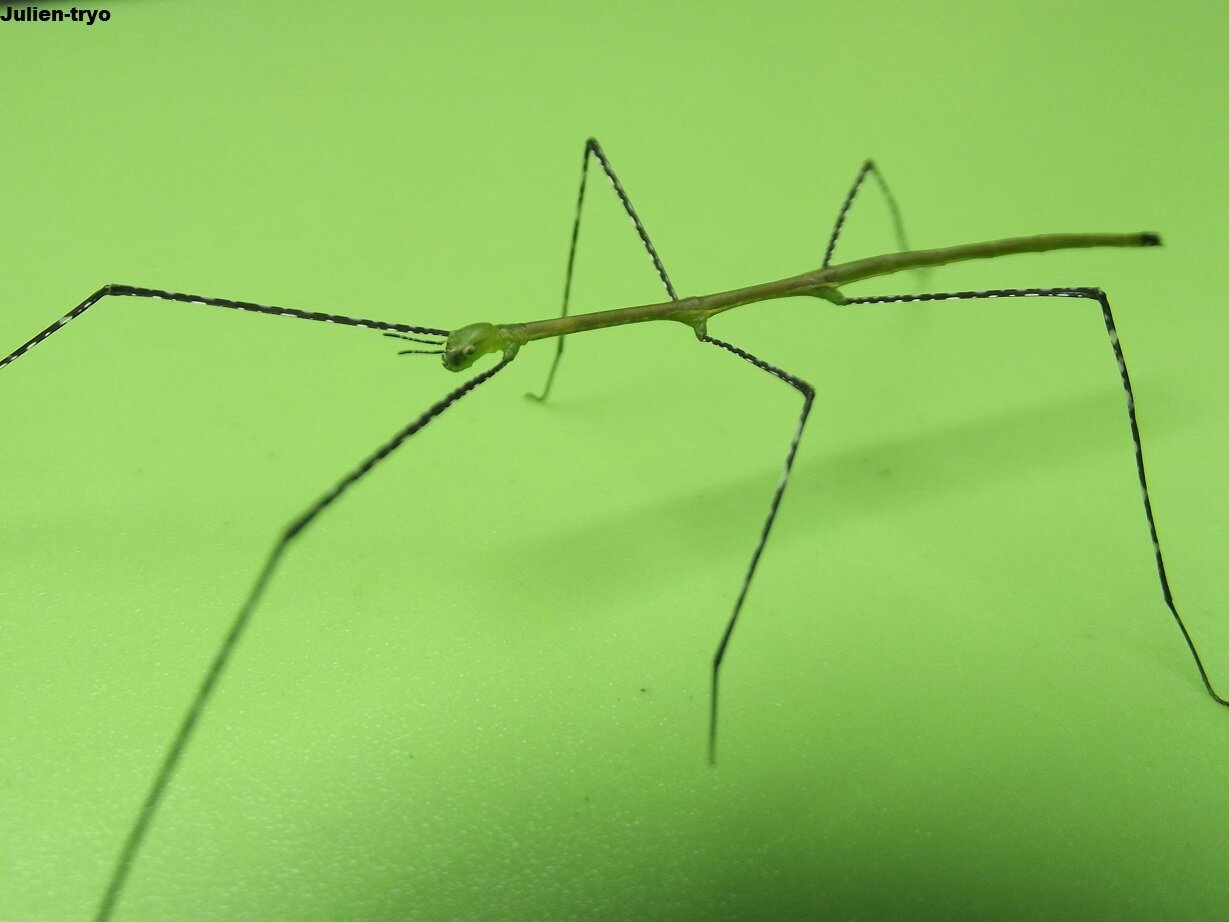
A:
<point x="868" y="168"/>
<point x="1107" y="315"/>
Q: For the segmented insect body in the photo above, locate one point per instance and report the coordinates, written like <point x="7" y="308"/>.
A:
<point x="460" y="349"/>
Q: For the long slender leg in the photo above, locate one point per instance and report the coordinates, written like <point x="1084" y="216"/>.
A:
<point x="183" y="736"/>
<point x="898" y="226"/>
<point x="134" y="292"/>
<point x="594" y="150"/>
<point x="1091" y="294"/>
<point x="808" y="397"/>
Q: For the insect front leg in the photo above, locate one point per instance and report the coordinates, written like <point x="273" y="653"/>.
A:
<point x="132" y="291"/>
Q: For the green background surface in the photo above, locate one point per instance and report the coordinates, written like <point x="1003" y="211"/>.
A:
<point x="478" y="689"/>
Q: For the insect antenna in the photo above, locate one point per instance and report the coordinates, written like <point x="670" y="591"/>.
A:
<point x="418" y="339"/>
<point x="433" y="341"/>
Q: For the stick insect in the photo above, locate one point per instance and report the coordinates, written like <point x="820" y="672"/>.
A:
<point x="460" y="349"/>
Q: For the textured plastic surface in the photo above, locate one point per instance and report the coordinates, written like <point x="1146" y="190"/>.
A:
<point x="479" y="688"/>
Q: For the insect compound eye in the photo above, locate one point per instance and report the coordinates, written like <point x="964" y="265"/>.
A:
<point x="469" y="350"/>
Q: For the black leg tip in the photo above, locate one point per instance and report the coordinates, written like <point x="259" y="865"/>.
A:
<point x="1150" y="240"/>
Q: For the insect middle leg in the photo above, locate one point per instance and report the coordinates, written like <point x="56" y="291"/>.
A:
<point x="593" y="151"/>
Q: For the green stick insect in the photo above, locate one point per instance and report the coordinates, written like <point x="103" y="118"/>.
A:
<point x="462" y="348"/>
